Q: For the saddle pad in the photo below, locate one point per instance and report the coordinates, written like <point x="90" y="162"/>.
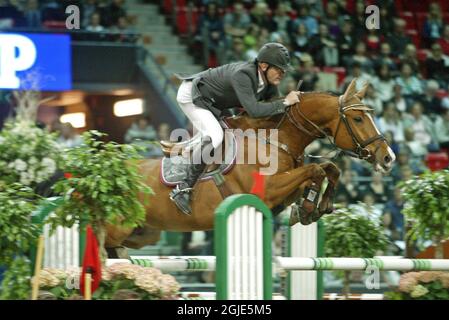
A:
<point x="173" y="170"/>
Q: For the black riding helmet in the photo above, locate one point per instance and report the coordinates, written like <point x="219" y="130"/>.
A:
<point x="275" y="54"/>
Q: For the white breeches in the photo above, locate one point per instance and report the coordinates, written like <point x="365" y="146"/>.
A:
<point x="203" y="120"/>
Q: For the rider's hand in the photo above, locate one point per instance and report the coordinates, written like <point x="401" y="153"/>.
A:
<point x="292" y="98"/>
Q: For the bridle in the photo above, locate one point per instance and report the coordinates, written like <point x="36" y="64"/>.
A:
<point x="360" y="152"/>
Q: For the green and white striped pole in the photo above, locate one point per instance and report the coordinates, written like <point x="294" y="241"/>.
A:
<point x="381" y="263"/>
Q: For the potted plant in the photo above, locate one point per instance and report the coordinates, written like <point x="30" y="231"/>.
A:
<point x="103" y="186"/>
<point x="350" y="234"/>
<point x="426" y="208"/>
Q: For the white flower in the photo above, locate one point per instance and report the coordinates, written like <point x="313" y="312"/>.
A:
<point x="20" y="165"/>
<point x="32" y="160"/>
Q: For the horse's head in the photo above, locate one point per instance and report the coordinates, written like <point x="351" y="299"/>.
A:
<point x="355" y="132"/>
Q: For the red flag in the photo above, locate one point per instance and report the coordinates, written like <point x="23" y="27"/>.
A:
<point x="258" y="187"/>
<point x="91" y="261"/>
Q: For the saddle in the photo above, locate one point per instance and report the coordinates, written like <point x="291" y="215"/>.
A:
<point x="176" y="160"/>
<point x="170" y="148"/>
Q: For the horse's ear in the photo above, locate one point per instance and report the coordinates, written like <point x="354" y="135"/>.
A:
<point x="362" y="92"/>
<point x="350" y="91"/>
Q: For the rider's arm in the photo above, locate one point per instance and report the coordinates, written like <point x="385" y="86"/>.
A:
<point x="242" y="85"/>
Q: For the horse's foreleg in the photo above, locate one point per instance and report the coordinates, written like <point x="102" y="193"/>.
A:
<point x="332" y="175"/>
<point x="281" y="185"/>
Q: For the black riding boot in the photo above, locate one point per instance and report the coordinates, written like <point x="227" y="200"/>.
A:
<point x="181" y="194"/>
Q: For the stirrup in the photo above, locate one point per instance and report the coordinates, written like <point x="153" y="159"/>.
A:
<point x="178" y="191"/>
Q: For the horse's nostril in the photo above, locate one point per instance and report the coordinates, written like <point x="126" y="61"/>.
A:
<point x="387" y="159"/>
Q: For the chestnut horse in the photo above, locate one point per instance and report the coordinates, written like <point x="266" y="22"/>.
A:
<point x="344" y="119"/>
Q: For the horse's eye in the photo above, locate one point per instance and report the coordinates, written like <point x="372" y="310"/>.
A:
<point x="358" y="119"/>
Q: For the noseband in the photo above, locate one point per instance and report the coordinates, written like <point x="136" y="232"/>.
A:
<point x="360" y="152"/>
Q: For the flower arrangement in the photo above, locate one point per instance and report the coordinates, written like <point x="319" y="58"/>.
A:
<point x="119" y="281"/>
<point x="425" y="285"/>
<point x="28" y="155"/>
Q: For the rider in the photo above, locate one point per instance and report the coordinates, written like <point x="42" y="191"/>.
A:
<point x="243" y="84"/>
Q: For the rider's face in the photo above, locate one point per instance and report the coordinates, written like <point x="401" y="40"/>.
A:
<point x="275" y="75"/>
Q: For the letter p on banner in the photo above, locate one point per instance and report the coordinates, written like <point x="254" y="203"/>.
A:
<point x="10" y="62"/>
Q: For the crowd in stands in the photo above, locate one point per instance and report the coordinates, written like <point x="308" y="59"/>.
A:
<point x="99" y="19"/>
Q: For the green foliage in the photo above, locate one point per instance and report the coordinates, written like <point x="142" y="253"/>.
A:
<point x="16" y="284"/>
<point x="104" y="187"/>
<point x="427" y="205"/>
<point x="28" y="154"/>
<point x="17" y="232"/>
<point x="352" y="235"/>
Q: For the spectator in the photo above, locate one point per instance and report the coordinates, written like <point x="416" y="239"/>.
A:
<point x="437" y="65"/>
<point x="378" y="188"/>
<point x="373" y="41"/>
<point x="421" y="126"/>
<point x="444" y="40"/>
<point x="411" y="58"/>
<point x="251" y="39"/>
<point x="94" y="24"/>
<point x="372" y="100"/>
<point x="300" y="39"/>
<point x="236" y="23"/>
<point x="348" y="186"/>
<point x="281" y="20"/>
<point x="442" y="129"/>
<point x="359" y="20"/>
<point x="346" y="42"/>
<point x="383" y="83"/>
<point x="430" y="100"/>
<point x="33" y="14"/>
<point x="260" y="16"/>
<point x="142" y="134"/>
<point x="310" y="22"/>
<point x="124" y="32"/>
<point x="387" y="24"/>
<point x="418" y="149"/>
<point x="411" y="85"/>
<point x="237" y="53"/>
<point x="69" y="138"/>
<point x="385" y="57"/>
<point x="324" y="48"/>
<point x="211" y="27"/>
<point x="394" y="209"/>
<point x="88" y="9"/>
<point x="398" y="39"/>
<point x="368" y="207"/>
<point x="433" y="26"/>
<point x="113" y="12"/>
<point x="307" y="73"/>
<point x="398" y="99"/>
<point x="416" y="166"/>
<point x="332" y="19"/>
<point x="391" y="121"/>
<point x="361" y="58"/>
<point x="356" y="73"/>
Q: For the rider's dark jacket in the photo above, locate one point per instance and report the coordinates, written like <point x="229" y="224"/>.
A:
<point x="234" y="85"/>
